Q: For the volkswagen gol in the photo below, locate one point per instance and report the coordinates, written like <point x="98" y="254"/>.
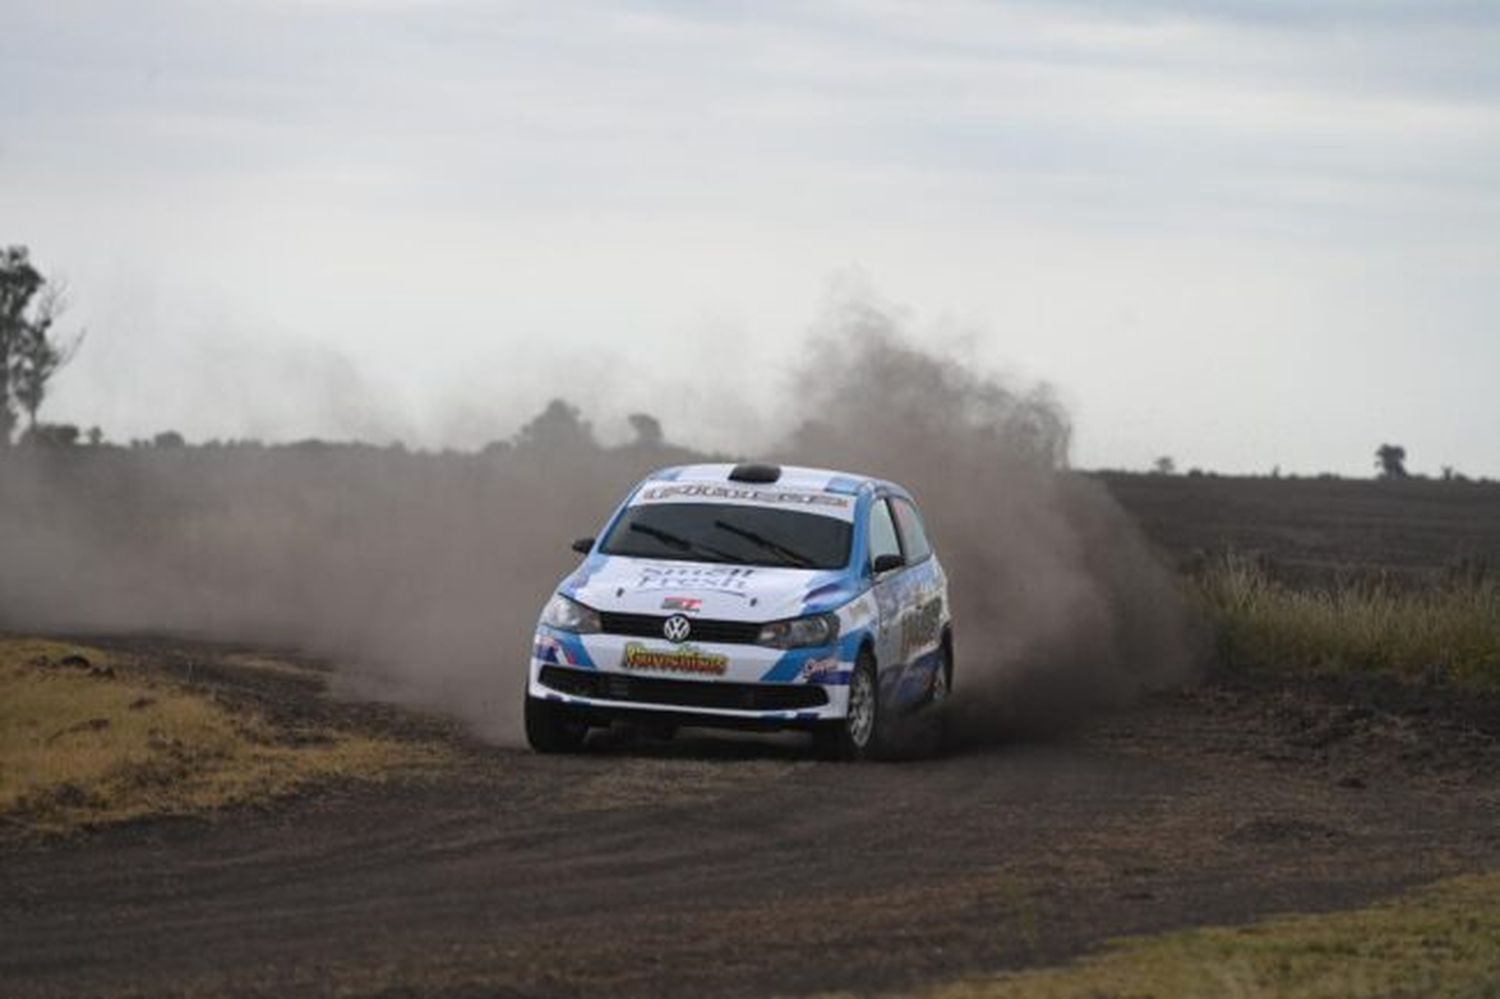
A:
<point x="747" y="596"/>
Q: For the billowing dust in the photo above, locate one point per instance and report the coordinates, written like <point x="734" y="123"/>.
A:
<point x="421" y="575"/>
<point x="1059" y="604"/>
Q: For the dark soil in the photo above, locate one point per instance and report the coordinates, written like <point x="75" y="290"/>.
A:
<point x="734" y="866"/>
<point x="1314" y="528"/>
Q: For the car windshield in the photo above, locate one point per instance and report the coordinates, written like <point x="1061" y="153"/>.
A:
<point x="726" y="532"/>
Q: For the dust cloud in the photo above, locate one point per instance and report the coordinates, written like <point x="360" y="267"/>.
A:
<point x="421" y="575"/>
<point x="1060" y="606"/>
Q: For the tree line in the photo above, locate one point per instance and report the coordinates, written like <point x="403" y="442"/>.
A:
<point x="32" y="353"/>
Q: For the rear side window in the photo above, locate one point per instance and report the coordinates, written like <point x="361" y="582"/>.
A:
<point x="883" y="540"/>
<point x="912" y="533"/>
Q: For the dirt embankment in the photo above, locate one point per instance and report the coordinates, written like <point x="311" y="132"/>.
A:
<point x="726" y="866"/>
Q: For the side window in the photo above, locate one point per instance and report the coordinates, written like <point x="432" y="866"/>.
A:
<point x="883" y="539"/>
<point x="912" y="532"/>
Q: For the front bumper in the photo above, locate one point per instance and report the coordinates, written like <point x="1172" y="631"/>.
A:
<point x="604" y="682"/>
<point x="626" y="688"/>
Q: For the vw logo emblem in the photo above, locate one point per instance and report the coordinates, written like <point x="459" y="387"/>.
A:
<point x="677" y="628"/>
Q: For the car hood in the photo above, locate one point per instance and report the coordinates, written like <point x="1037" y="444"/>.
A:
<point x="705" y="589"/>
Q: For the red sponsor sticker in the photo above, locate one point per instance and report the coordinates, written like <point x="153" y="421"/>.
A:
<point x="688" y="604"/>
<point x="815" y="669"/>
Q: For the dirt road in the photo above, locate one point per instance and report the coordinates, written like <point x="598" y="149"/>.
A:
<point x="714" y="866"/>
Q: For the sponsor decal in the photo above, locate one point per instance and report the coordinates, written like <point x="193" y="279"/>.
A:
<point x="688" y="605"/>
<point x="816" y="670"/>
<point x="550" y="650"/>
<point x="770" y="497"/>
<point x="919" y="628"/>
<point x="682" y="659"/>
<point x="861" y="611"/>
<point x="720" y="579"/>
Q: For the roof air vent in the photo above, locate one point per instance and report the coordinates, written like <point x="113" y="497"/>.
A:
<point x="752" y="471"/>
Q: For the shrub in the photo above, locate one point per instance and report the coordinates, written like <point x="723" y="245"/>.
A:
<point x="1448" y="630"/>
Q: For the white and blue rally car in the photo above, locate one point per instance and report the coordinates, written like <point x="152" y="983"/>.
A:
<point x="747" y="596"/>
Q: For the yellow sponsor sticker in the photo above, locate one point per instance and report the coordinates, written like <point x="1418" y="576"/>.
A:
<point x="683" y="659"/>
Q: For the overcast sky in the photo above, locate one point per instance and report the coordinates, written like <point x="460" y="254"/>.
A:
<point x="1241" y="234"/>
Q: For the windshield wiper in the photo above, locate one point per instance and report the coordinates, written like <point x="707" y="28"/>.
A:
<point x="683" y="544"/>
<point x="790" y="554"/>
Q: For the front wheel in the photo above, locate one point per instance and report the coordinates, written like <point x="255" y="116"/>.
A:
<point x="551" y="727"/>
<point x="860" y="734"/>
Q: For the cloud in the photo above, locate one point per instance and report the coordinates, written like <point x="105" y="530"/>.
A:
<point x="535" y="183"/>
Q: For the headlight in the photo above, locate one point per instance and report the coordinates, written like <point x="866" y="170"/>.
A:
<point x="819" y="629"/>
<point x="565" y="614"/>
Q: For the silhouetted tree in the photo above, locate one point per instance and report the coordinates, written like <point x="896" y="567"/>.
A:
<point x="557" y="428"/>
<point x="40" y="356"/>
<point x="1452" y="474"/>
<point x="95" y="436"/>
<point x="1164" y="466"/>
<point x="647" y="429"/>
<point x="19" y="284"/>
<point x="168" y="439"/>
<point x="29" y="353"/>
<point x="50" y="435"/>
<point x="1390" y="459"/>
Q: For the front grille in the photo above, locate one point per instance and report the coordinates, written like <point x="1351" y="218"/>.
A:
<point x="683" y="693"/>
<point x="703" y="630"/>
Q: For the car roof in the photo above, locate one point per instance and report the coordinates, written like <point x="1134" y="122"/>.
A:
<point x="792" y="477"/>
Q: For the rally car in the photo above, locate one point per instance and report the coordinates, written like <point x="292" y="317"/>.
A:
<point x="747" y="596"/>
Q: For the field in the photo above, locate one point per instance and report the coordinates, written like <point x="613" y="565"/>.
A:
<point x="1315" y="529"/>
<point x="1393" y="577"/>
<point x="1276" y="828"/>
<point x="91" y="739"/>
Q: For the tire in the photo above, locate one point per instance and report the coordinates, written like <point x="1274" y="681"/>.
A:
<point x="940" y="736"/>
<point x="551" y="727"/>
<point x="942" y="677"/>
<point x="860" y="734"/>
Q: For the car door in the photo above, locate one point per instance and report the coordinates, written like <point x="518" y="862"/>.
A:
<point x="923" y="597"/>
<point x="884" y="539"/>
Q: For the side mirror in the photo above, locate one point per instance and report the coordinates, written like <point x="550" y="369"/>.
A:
<point x="583" y="545"/>
<point x="887" y="562"/>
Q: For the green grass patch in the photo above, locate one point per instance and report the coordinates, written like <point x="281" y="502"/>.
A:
<point x="1448" y="631"/>
<point x="85" y="742"/>
<point x="1442" y="942"/>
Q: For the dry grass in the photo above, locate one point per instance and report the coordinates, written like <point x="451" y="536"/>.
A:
<point x="1442" y="942"/>
<point x="92" y="744"/>
<point x="1449" y="631"/>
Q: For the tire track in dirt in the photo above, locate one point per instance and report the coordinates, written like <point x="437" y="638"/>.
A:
<point x="740" y="867"/>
